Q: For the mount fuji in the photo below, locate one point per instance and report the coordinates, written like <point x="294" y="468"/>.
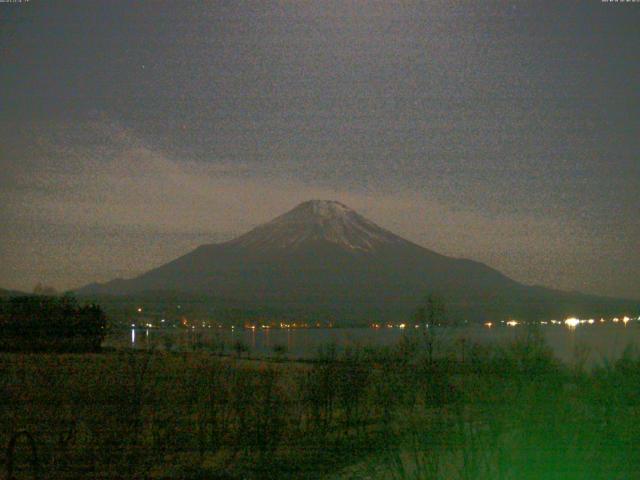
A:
<point x="322" y="258"/>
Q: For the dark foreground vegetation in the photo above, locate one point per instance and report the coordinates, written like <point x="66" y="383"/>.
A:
<point x="500" y="413"/>
<point x="43" y="323"/>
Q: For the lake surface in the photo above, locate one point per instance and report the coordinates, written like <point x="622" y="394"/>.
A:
<point x="593" y="343"/>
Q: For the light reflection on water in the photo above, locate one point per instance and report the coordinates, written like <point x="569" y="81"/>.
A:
<point x="135" y="343"/>
<point x="598" y="342"/>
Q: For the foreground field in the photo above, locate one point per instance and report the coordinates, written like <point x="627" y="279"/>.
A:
<point x="500" y="413"/>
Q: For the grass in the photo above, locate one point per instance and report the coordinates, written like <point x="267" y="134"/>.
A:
<point x="508" y="412"/>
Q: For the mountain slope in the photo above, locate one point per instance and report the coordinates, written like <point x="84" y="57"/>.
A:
<point x="10" y="293"/>
<point x="324" y="258"/>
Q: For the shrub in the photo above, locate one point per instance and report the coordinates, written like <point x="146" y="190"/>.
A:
<point x="44" y="323"/>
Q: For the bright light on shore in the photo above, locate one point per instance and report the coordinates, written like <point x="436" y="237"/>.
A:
<point x="572" y="322"/>
<point x="488" y="324"/>
<point x="512" y="323"/>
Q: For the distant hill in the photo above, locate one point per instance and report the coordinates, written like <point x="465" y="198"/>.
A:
<point x="10" y="293"/>
<point x="323" y="258"/>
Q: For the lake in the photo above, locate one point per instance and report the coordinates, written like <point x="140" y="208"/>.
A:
<point x="592" y="343"/>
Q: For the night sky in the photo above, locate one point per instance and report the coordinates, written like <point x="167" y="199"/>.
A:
<point x="505" y="132"/>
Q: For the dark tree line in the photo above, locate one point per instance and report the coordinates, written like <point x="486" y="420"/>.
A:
<point x="48" y="323"/>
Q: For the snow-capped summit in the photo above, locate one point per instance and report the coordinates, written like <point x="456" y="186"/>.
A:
<point x="318" y="220"/>
<point x="323" y="208"/>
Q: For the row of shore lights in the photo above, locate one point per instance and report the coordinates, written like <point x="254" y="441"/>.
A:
<point x="571" y="322"/>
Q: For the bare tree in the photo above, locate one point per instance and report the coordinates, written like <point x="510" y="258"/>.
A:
<point x="428" y="315"/>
